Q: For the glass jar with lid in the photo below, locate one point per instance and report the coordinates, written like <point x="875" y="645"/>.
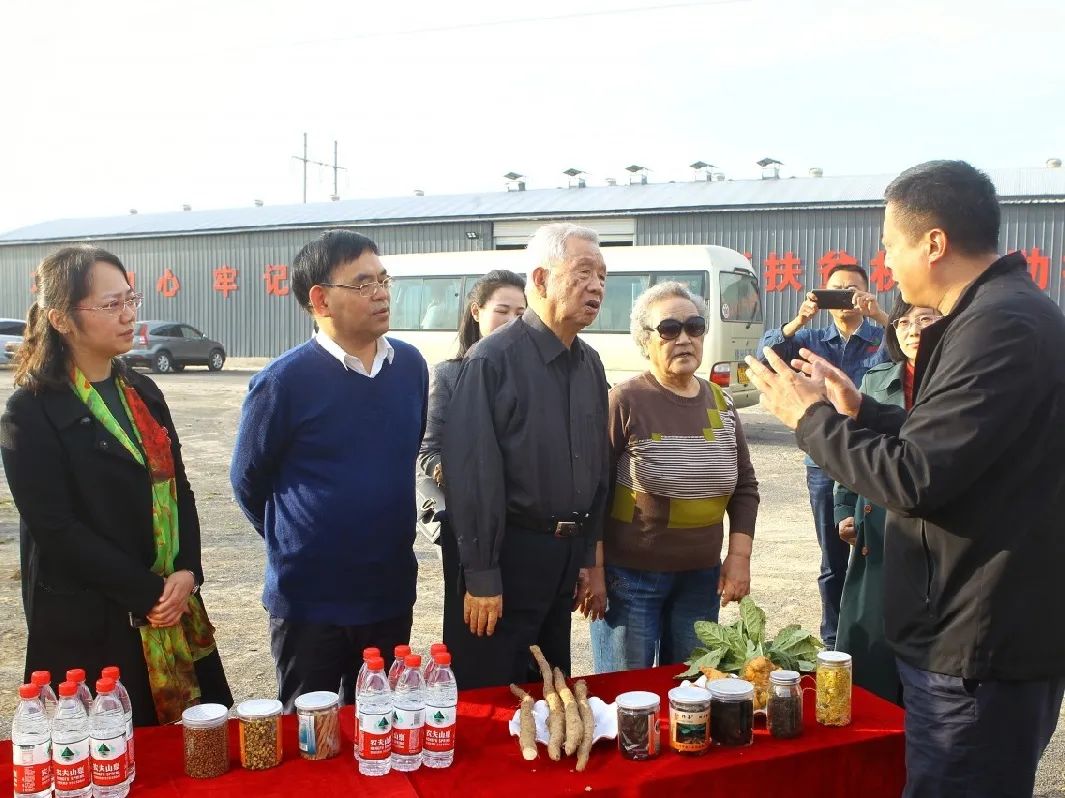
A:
<point x="731" y="712"/>
<point x="206" y="736"/>
<point x="784" y="706"/>
<point x="319" y="724"/>
<point x="638" y="735"/>
<point x="834" y="688"/>
<point x="689" y="719"/>
<point x="260" y="733"/>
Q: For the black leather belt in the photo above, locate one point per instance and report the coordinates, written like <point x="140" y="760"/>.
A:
<point x="563" y="527"/>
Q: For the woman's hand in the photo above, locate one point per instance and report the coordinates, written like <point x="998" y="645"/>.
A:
<point x="735" y="580"/>
<point x="175" y="600"/>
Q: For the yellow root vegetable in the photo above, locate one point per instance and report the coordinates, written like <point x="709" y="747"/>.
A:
<point x="587" y="722"/>
<point x="555" y="717"/>
<point x="574" y="727"/>
<point x="527" y="731"/>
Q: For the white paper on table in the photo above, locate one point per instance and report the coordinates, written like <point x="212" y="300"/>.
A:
<point x="605" y="715"/>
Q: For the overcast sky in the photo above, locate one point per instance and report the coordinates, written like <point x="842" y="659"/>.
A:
<point x="115" y="105"/>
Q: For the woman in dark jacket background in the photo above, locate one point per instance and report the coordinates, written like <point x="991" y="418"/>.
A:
<point x="110" y="538"/>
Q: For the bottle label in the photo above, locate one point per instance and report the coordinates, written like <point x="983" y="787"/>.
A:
<point x="407" y="727"/>
<point x="110" y="761"/>
<point x="689" y="731"/>
<point x="33" y="767"/>
<point x="375" y="736"/>
<point x="71" y="766"/>
<point x="130" y="758"/>
<point x="308" y="741"/>
<point x="439" y="729"/>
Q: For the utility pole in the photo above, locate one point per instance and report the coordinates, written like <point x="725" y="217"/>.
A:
<point x="335" y="166"/>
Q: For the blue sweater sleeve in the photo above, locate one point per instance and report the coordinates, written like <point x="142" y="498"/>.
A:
<point x="786" y="348"/>
<point x="260" y="440"/>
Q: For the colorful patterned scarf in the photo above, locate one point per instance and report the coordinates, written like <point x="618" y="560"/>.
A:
<point x="168" y="653"/>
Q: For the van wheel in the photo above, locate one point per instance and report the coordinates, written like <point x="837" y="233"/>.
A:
<point x="161" y="363"/>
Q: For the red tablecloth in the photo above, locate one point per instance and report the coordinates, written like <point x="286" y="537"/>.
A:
<point x="864" y="759"/>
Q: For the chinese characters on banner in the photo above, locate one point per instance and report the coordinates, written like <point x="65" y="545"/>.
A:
<point x="225" y="280"/>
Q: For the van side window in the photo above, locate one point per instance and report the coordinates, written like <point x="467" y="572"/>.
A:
<point x="621" y="292"/>
<point x="695" y="281"/>
<point x="425" y="303"/>
<point x="740" y="299"/>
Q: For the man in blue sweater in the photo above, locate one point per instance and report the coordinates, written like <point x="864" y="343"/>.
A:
<point x="324" y="469"/>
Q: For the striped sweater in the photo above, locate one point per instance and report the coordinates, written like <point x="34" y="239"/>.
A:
<point x="680" y="465"/>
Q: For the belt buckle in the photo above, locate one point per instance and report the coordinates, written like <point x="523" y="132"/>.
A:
<point x="566" y="529"/>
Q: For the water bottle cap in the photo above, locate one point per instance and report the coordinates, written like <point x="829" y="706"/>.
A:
<point x="111" y="672"/>
<point x="401" y="651"/>
<point x="442" y="659"/>
<point x="29" y="691"/>
<point x="370" y="653"/>
<point x="76" y="675"/>
<point x="375" y="664"/>
<point x="413" y="660"/>
<point x="68" y="689"/>
<point x="40" y="678"/>
<point x="437" y="648"/>
<point x="105" y="685"/>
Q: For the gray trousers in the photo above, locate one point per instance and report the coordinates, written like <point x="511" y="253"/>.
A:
<point x="971" y="739"/>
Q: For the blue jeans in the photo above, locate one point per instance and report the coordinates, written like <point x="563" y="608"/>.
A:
<point x="834" y="552"/>
<point x="651" y="613"/>
<point x="972" y="739"/>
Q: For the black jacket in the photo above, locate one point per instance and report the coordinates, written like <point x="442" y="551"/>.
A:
<point x="86" y="537"/>
<point x="974" y="481"/>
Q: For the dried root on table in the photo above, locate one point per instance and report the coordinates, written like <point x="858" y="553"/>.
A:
<point x="574" y="727"/>
<point x="757" y="671"/>
<point x="588" y="723"/>
<point x="527" y="723"/>
<point x="555" y="713"/>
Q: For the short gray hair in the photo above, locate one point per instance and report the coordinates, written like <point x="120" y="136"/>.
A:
<point x="547" y="246"/>
<point x="639" y="321"/>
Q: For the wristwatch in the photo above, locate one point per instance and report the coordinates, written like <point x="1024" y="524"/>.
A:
<point x="195" y="584"/>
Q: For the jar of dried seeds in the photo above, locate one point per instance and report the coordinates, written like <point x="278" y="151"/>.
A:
<point x="206" y="733"/>
<point x="784" y="707"/>
<point x="260" y="733"/>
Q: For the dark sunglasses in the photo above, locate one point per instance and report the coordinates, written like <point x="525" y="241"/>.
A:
<point x="669" y="329"/>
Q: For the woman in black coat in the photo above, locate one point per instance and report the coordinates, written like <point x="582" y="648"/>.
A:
<point x="110" y="538"/>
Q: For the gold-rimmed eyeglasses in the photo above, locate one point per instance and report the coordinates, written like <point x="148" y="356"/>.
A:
<point x="116" y="306"/>
<point x="363" y="289"/>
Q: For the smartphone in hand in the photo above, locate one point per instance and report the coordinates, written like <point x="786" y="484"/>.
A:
<point x="834" y="298"/>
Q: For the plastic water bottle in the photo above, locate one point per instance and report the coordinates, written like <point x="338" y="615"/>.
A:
<point x="408" y="716"/>
<point x="42" y="680"/>
<point x="434" y="649"/>
<point x="441" y="696"/>
<point x="113" y="672"/>
<point x="77" y="675"/>
<point x="375" y="721"/>
<point x="367" y="655"/>
<point x="31" y="737"/>
<point x="400" y="652"/>
<point x="71" y="767"/>
<point x="107" y="743"/>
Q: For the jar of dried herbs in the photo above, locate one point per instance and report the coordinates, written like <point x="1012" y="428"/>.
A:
<point x="260" y="733"/>
<point x="784" y="707"/>
<point x="689" y="719"/>
<point x="319" y="717"/>
<point x="206" y="734"/>
<point x="834" y="688"/>
<point x="731" y="712"/>
<point x="638" y="736"/>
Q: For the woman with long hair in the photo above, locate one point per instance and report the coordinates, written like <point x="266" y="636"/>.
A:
<point x="109" y="531"/>
<point x="494" y="300"/>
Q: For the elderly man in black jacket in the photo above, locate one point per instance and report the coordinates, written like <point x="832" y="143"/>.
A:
<point x="974" y="479"/>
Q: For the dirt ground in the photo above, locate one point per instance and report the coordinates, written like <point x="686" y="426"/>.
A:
<point x="206" y="408"/>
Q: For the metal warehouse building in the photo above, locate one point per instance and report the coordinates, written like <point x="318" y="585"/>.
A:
<point x="225" y="271"/>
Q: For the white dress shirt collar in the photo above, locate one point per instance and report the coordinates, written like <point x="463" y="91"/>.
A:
<point x="352" y="363"/>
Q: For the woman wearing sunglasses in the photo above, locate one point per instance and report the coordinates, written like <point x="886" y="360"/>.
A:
<point x="680" y="463"/>
<point x="861" y="523"/>
<point x="110" y="536"/>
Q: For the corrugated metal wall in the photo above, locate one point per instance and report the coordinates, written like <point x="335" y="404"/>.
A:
<point x="248" y="321"/>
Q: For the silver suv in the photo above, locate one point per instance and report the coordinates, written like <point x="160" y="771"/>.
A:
<point x="168" y="346"/>
<point x="11" y="332"/>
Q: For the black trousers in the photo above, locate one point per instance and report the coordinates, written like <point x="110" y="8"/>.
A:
<point x="317" y="656"/>
<point x="539" y="575"/>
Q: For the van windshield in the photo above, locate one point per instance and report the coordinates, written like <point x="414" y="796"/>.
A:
<point x="740" y="300"/>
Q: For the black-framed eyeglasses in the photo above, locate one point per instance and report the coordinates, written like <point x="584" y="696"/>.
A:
<point x="670" y="329"/>
<point x="920" y="322"/>
<point x="116" y="306"/>
<point x="363" y="289"/>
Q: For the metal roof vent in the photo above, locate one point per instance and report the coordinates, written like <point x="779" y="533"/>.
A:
<point x="770" y="168"/>
<point x="186" y="207"/>
<point x="576" y="177"/>
<point x="610" y="181"/>
<point x="701" y="171"/>
<point x="718" y="177"/>
<point x="419" y="193"/>
<point x="1054" y="163"/>
<point x="258" y="203"/>
<point x="637" y="175"/>
<point x="132" y="211"/>
<point x="817" y="171"/>
<point x="515" y="182"/>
